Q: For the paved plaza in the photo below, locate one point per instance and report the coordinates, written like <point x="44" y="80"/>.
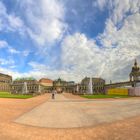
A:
<point x="72" y="113"/>
<point x="69" y="117"/>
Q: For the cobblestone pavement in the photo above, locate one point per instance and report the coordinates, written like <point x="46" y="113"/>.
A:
<point x="126" y="127"/>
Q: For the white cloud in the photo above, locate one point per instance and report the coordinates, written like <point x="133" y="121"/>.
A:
<point x="15" y="22"/>
<point x="9" y="22"/>
<point x="25" y="53"/>
<point x="37" y="66"/>
<point x="122" y="10"/>
<point x="100" y="4"/>
<point x="38" y="71"/>
<point x="127" y="36"/>
<point x="13" y="50"/>
<point x="45" y="19"/>
<point x="3" y="44"/>
<point x="120" y="44"/>
<point x="82" y="56"/>
<point x="118" y="10"/>
<point x="41" y="70"/>
<point x="6" y="62"/>
<point x="77" y="49"/>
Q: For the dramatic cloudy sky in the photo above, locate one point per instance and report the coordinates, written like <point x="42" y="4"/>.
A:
<point x="70" y="39"/>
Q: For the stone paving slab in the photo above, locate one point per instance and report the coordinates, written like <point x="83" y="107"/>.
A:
<point x="72" y="113"/>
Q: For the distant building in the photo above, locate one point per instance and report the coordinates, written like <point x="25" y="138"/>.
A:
<point x="5" y="82"/>
<point x="59" y="85"/>
<point x="70" y="83"/>
<point x="87" y="85"/>
<point x="70" y="87"/>
<point x="26" y="86"/>
<point x="98" y="86"/>
<point x="47" y="84"/>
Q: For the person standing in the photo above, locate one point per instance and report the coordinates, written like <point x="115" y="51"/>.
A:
<point x="53" y="94"/>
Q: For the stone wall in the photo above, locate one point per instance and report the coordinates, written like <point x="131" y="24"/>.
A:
<point x="134" y="91"/>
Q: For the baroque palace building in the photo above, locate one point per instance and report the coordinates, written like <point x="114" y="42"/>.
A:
<point x="64" y="86"/>
<point x="59" y="85"/>
<point x="5" y="82"/>
<point x="98" y="85"/>
<point x="26" y="86"/>
<point x="44" y="85"/>
<point x="47" y="85"/>
<point x="70" y="88"/>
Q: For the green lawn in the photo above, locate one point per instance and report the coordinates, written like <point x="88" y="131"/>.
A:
<point x="17" y="96"/>
<point x="104" y="96"/>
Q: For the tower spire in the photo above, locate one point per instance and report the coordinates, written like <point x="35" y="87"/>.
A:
<point x="135" y="64"/>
